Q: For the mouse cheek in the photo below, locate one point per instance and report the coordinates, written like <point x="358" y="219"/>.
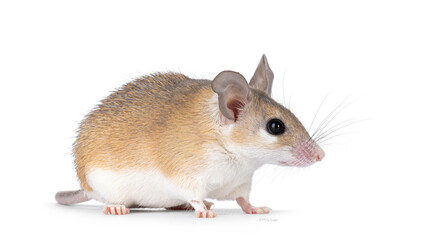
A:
<point x="266" y="139"/>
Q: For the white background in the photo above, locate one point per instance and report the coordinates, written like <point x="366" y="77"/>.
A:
<point x="379" y="181"/>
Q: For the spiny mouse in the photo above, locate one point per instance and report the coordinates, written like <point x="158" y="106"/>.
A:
<point x="169" y="141"/>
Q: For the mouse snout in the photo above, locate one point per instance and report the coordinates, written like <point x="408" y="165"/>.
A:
<point x="319" y="153"/>
<point x="306" y="153"/>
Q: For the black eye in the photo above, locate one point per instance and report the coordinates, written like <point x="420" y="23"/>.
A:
<point x="275" y="127"/>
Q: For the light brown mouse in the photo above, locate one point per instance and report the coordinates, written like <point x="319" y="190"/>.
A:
<point x="168" y="141"/>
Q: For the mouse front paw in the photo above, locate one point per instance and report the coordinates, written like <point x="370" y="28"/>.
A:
<point x="257" y="210"/>
<point x="249" y="209"/>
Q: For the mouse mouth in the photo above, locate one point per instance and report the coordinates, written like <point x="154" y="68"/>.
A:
<point x="304" y="155"/>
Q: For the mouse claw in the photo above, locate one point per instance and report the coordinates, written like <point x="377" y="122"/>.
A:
<point x="206" y="214"/>
<point x="259" y="210"/>
<point x="116" y="210"/>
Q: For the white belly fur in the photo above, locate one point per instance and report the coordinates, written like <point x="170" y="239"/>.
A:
<point x="146" y="188"/>
<point x="149" y="188"/>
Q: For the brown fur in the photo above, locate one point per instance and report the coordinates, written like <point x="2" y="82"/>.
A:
<point x="159" y="121"/>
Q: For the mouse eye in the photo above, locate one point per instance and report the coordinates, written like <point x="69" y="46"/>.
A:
<point x="275" y="126"/>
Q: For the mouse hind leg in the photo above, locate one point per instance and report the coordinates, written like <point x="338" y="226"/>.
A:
<point x="114" y="205"/>
<point x="188" y="207"/>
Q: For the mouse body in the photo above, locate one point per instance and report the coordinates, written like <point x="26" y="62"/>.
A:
<point x="169" y="141"/>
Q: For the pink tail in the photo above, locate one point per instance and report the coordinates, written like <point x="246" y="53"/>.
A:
<point x="71" y="197"/>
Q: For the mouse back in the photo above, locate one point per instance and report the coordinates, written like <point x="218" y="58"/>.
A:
<point x="155" y="122"/>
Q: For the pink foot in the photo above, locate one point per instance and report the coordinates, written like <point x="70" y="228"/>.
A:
<point x="249" y="209"/>
<point x="116" y="210"/>
<point x="202" y="211"/>
<point x="257" y="210"/>
<point x="206" y="214"/>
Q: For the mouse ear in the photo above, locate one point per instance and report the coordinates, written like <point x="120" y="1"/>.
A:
<point x="263" y="77"/>
<point x="233" y="91"/>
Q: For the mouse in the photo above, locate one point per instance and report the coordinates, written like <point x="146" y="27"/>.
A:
<point x="165" y="140"/>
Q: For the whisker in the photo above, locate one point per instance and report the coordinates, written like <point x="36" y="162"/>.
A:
<point x="333" y="131"/>
<point x="327" y="144"/>
<point x="347" y="122"/>
<point x="284" y="99"/>
<point x="322" y="141"/>
<point x="332" y="145"/>
<point x="333" y="114"/>
<point x="328" y="116"/>
<point x="332" y="127"/>
<point x="290" y="98"/>
<point x="316" y="114"/>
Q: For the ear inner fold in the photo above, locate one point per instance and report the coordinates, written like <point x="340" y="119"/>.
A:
<point x="235" y="105"/>
<point x="233" y="91"/>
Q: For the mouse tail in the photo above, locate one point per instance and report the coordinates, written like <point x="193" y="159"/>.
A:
<point x="71" y="197"/>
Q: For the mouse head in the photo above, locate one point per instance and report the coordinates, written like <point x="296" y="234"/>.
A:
<point x="258" y="127"/>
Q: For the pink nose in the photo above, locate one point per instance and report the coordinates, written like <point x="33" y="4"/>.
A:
<point x="319" y="153"/>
